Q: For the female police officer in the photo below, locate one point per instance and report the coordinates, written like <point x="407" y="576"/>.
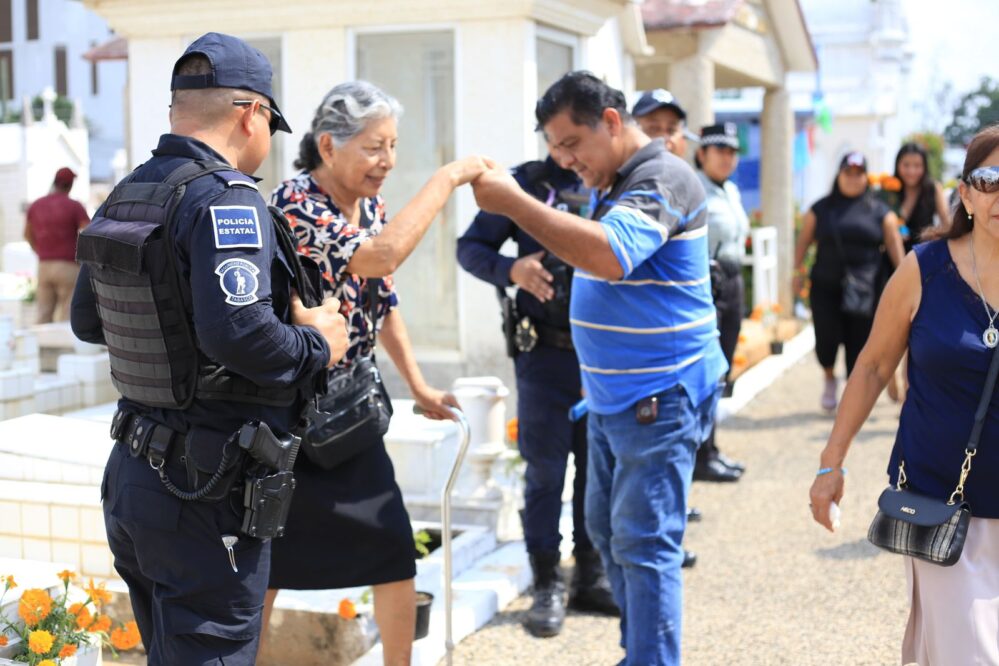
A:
<point x="205" y="337"/>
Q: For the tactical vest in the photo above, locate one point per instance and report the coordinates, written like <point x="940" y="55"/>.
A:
<point x="570" y="201"/>
<point x="143" y="304"/>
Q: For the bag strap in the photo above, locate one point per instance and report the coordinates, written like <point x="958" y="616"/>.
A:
<point x="983" y="405"/>
<point x="372" y="284"/>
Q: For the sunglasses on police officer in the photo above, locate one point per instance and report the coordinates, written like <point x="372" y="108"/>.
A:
<point x="275" y="115"/>
<point x="984" y="179"/>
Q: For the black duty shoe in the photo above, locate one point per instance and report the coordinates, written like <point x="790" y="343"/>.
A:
<point x="590" y="590"/>
<point x="689" y="559"/>
<point x="547" y="612"/>
<point x="715" y="470"/>
<point x="731" y="464"/>
<point x="694" y="515"/>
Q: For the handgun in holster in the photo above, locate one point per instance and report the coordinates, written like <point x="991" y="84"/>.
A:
<point x="270" y="483"/>
<point x="508" y="308"/>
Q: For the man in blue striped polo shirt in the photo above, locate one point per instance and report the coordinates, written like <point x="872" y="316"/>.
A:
<point x="645" y="331"/>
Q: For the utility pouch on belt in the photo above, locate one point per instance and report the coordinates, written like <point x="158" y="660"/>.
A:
<point x="508" y="308"/>
<point x="267" y="494"/>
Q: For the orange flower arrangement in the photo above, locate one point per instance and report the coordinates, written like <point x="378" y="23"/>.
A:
<point x="512" y="429"/>
<point x="51" y="629"/>
<point x="347" y="610"/>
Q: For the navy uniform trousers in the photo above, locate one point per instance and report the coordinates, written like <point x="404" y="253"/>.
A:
<point x="197" y="611"/>
<point x="548" y="385"/>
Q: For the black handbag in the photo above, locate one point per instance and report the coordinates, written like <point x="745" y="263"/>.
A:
<point x="930" y="529"/>
<point x="356" y="410"/>
<point x="859" y="283"/>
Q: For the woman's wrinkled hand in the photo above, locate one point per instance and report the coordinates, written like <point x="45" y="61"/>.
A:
<point x="826" y="489"/>
<point x="435" y="403"/>
<point x="466" y="170"/>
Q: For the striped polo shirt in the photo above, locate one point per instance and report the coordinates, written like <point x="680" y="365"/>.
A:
<point x="656" y="327"/>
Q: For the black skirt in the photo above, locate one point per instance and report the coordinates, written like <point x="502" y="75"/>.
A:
<point x="347" y="527"/>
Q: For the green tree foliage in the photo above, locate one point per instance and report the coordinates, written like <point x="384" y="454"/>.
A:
<point x="975" y="110"/>
<point x="933" y="143"/>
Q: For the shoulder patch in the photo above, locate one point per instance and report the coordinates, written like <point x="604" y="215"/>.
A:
<point x="238" y="279"/>
<point x="236" y="226"/>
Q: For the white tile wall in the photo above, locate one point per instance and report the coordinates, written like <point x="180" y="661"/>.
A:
<point x="68" y="552"/>
<point x="92" y="525"/>
<point x="36" y="549"/>
<point x="35" y="520"/>
<point x="11" y="512"/>
<point x="10" y="546"/>
<point x="65" y="522"/>
<point x="96" y="561"/>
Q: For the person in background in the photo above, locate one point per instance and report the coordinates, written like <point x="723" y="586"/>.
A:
<point x="850" y="228"/>
<point x="728" y="227"/>
<point x="52" y="227"/>
<point x="548" y="385"/>
<point x="922" y="200"/>
<point x="348" y="526"/>
<point x="659" y="114"/>
<point x="938" y="307"/>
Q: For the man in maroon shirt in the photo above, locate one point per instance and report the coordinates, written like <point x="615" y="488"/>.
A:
<point x="54" y="222"/>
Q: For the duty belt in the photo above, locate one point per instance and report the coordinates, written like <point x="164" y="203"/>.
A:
<point x="145" y="437"/>
<point x="554" y="337"/>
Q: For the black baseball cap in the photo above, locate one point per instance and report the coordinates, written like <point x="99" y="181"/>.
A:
<point x="723" y="134"/>
<point x="659" y="98"/>
<point x="853" y="159"/>
<point x="235" y="64"/>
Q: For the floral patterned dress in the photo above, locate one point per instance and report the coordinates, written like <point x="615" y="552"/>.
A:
<point x="327" y="237"/>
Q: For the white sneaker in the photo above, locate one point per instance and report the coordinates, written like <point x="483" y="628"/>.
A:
<point x="828" y="401"/>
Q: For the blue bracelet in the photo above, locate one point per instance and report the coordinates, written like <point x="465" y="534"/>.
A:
<point x="828" y="470"/>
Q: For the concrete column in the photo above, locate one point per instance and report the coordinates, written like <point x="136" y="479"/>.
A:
<point x="777" y="132"/>
<point x="692" y="82"/>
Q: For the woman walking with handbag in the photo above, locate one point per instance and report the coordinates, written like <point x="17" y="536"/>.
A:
<point x="850" y="228"/>
<point x="348" y="526"/>
<point x="940" y="308"/>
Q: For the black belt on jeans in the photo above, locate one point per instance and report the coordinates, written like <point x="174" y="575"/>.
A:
<point x="554" y="337"/>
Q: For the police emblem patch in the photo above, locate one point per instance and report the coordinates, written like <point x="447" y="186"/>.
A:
<point x="238" y="279"/>
<point x="235" y="226"/>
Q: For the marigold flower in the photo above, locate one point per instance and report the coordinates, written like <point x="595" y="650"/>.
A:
<point x="742" y="338"/>
<point x="9" y="582"/>
<point x="101" y="624"/>
<point x="126" y="637"/>
<point x="40" y="641"/>
<point x="739" y="359"/>
<point x="512" y="429"/>
<point x="3" y="640"/>
<point x="98" y="594"/>
<point x="67" y="650"/>
<point x="347" y="610"/>
<point x="46" y="662"/>
<point x="66" y="575"/>
<point x="891" y="183"/>
<point x="874" y="179"/>
<point x="83" y="616"/>
<point x="35" y="606"/>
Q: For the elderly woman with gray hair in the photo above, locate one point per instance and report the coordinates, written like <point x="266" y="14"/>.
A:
<point x="348" y="526"/>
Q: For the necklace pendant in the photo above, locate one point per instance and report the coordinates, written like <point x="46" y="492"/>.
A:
<point x="991" y="337"/>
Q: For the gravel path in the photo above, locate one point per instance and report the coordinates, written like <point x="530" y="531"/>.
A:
<point x="770" y="586"/>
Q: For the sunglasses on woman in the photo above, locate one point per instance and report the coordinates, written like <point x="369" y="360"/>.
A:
<point x="984" y="179"/>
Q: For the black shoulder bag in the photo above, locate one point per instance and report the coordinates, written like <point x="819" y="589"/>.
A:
<point x="927" y="528"/>
<point x="356" y="410"/>
<point x="859" y="282"/>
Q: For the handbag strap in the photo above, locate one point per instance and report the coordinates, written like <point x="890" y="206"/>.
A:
<point x="372" y="285"/>
<point x="983" y="405"/>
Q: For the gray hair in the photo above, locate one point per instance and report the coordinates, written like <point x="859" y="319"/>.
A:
<point x="349" y="107"/>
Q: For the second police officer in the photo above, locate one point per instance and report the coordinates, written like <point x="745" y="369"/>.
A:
<point x="188" y="280"/>
<point x="536" y="325"/>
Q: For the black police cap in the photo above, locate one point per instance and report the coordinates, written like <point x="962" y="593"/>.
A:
<point x="724" y="134"/>
<point x="235" y="64"/>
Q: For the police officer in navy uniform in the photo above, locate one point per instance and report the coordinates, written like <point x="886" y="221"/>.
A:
<point x="548" y="385"/>
<point x="188" y="280"/>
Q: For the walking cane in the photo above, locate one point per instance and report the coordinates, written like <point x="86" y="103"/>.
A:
<point x="466" y="435"/>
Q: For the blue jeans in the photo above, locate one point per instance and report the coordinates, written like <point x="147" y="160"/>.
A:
<point x="638" y="479"/>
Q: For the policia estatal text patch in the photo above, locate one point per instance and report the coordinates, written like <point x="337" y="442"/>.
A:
<point x="235" y="226"/>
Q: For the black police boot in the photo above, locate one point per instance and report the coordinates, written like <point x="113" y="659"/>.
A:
<point x="547" y="613"/>
<point x="590" y="590"/>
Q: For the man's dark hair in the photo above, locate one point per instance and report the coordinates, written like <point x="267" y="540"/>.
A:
<point x="584" y="95"/>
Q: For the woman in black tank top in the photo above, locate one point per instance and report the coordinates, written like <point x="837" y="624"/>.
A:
<point x="922" y="198"/>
